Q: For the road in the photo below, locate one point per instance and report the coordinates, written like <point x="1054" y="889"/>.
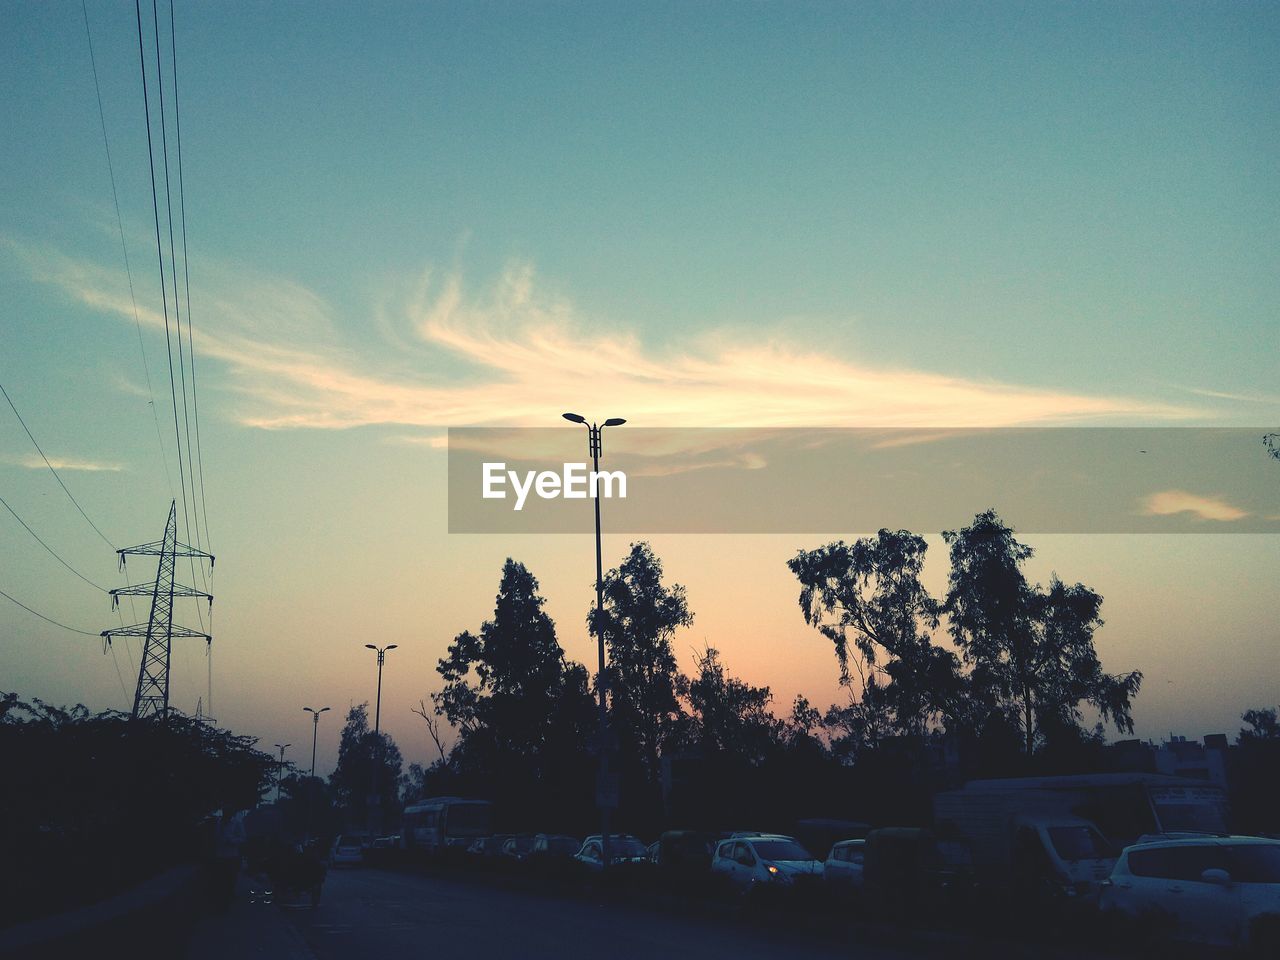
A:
<point x="367" y="913"/>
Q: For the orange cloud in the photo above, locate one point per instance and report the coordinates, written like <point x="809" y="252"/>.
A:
<point x="1169" y="502"/>
<point x="512" y="357"/>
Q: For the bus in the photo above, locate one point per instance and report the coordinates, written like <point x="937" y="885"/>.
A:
<point x="444" y="823"/>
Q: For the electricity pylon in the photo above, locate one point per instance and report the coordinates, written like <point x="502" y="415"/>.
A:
<point x="152" y="696"/>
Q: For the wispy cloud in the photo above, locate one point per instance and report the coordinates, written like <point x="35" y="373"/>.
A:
<point x="513" y="356"/>
<point x="1269" y="398"/>
<point x="34" y="462"/>
<point x="1169" y="502"/>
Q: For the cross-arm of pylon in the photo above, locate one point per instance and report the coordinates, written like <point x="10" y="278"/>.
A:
<point x="146" y="589"/>
<point x="140" y="630"/>
<point x="157" y="547"/>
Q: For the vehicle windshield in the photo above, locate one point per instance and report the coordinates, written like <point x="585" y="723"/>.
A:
<point x="345" y="841"/>
<point x="562" y="845"/>
<point x="468" y="819"/>
<point x="1258" y="863"/>
<point x="781" y="850"/>
<point x="1079" y="843"/>
<point x="1190" y="817"/>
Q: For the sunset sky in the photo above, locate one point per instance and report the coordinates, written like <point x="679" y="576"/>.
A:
<point x="408" y="217"/>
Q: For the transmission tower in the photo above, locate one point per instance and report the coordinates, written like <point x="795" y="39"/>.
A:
<point x="152" y="697"/>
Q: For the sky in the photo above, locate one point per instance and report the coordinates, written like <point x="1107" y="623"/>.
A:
<point x="409" y="217"/>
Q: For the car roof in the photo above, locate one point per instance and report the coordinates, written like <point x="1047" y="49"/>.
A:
<point x="1231" y="841"/>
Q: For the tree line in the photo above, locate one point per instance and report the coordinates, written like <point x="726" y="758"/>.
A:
<point x="1012" y="686"/>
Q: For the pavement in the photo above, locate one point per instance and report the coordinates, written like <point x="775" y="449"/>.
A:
<point x="249" y="929"/>
<point x="391" y="915"/>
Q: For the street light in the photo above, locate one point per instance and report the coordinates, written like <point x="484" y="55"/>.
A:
<point x="382" y="653"/>
<point x="280" y="766"/>
<point x="593" y="445"/>
<point x="377" y="724"/>
<point x="315" y="729"/>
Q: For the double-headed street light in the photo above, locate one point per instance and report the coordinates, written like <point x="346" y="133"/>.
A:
<point x="315" y="729"/>
<point x="382" y="655"/>
<point x="377" y="726"/>
<point x="282" y="747"/>
<point x="593" y="444"/>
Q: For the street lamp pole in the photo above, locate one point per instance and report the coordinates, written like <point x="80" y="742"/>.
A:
<point x="315" y="730"/>
<point x="377" y="725"/>
<point x="593" y="443"/>
<point x="280" y="766"/>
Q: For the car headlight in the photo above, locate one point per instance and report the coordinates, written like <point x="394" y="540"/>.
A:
<point x="776" y="873"/>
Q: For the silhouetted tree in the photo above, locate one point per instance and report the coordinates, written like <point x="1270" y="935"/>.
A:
<point x="1031" y="649"/>
<point x="523" y="712"/>
<point x="1261" y="726"/>
<point x="867" y="599"/>
<point x="365" y="767"/>
<point x="641" y="616"/>
<point x="95" y="803"/>
<point x="1255" y="773"/>
<point x="727" y="715"/>
<point x="307" y="809"/>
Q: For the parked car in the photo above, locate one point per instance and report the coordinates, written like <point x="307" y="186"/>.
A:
<point x="842" y="869"/>
<point x="488" y="846"/>
<point x="763" y="862"/>
<point x="554" y="846"/>
<point x="517" y="848"/>
<point x="348" y="850"/>
<point x="688" y="851"/>
<point x="623" y="849"/>
<point x="742" y="834"/>
<point x="1223" y="891"/>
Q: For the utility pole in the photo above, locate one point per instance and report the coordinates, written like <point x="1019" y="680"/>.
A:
<point x="152" y="695"/>
<point x="606" y="787"/>
<point x="374" y="793"/>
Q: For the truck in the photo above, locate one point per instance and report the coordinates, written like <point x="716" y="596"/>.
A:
<point x="1062" y="835"/>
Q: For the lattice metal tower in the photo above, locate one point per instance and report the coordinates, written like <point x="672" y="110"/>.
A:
<point x="152" y="696"/>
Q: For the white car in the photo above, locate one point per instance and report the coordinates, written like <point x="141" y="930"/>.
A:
<point x="843" y="867"/>
<point x="1223" y="891"/>
<point x="348" y="850"/>
<point x="623" y="849"/>
<point x="764" y="862"/>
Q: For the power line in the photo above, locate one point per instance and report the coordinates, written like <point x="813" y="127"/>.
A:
<point x="53" y="471"/>
<point x="52" y="552"/>
<point x="173" y="270"/>
<point x="186" y="272"/>
<point x="177" y="309"/>
<point x="119" y="676"/>
<point x="124" y="249"/>
<point x="37" y="613"/>
<point x="155" y="209"/>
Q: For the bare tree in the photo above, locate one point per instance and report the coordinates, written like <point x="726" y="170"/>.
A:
<point x="433" y="725"/>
